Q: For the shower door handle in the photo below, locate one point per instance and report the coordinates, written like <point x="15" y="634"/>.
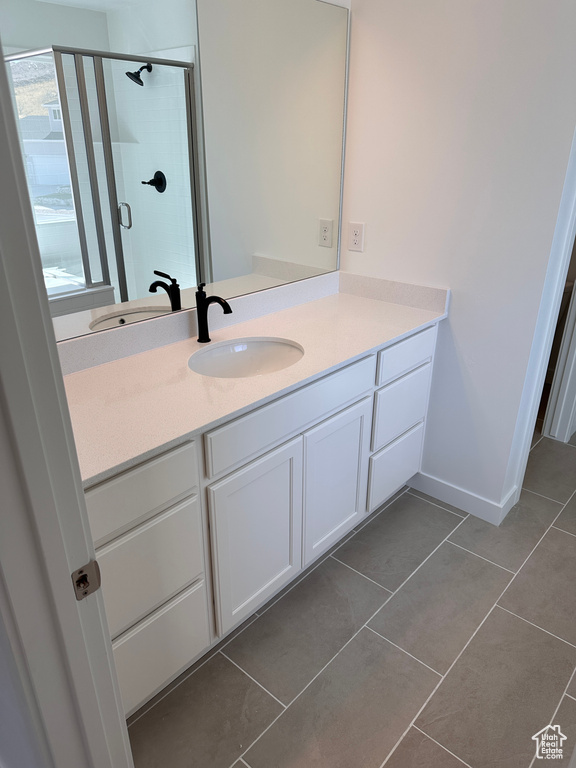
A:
<point x="120" y="219"/>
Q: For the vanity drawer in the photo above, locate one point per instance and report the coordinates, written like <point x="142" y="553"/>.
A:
<point x="116" y="505"/>
<point x="400" y="405"/>
<point x="394" y="465"/>
<point x="239" y="441"/>
<point x="150" y="564"/>
<point x="163" y="645"/>
<point x="402" y="357"/>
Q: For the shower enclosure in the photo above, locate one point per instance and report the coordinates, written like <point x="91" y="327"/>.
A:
<point x="91" y="141"/>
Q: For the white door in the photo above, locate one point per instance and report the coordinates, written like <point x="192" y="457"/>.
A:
<point x="335" y="476"/>
<point x="256" y="532"/>
<point x="68" y="679"/>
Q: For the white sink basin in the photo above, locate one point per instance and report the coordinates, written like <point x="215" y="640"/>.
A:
<point x="117" y="319"/>
<point x="239" y="358"/>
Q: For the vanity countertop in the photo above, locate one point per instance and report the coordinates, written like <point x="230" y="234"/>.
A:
<point x="128" y="410"/>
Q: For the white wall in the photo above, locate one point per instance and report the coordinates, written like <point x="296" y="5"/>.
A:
<point x="460" y="122"/>
<point x="273" y="77"/>
<point x="150" y="25"/>
<point x="28" y="24"/>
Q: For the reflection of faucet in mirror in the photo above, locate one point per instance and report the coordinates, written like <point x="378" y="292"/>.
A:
<point x="202" y="304"/>
<point x="173" y="289"/>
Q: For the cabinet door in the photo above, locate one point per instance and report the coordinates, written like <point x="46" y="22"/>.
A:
<point x="256" y="530"/>
<point x="335" y="477"/>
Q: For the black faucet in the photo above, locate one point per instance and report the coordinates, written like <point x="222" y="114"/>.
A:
<point x="202" y="304"/>
<point x="173" y="290"/>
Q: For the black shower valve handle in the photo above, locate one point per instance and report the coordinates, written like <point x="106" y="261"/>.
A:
<point x="159" y="181"/>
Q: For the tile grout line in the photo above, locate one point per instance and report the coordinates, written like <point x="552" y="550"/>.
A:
<point x="563" y="531"/>
<point x="406" y="652"/>
<point x="553" y="439"/>
<point x="537" y="441"/>
<point x="570" y="696"/>
<point x="362" y="574"/>
<point x="558" y="707"/>
<point x="371" y="516"/>
<point x="540" y="540"/>
<point x="548" y="498"/>
<point x="234" y="634"/>
<point x="297" y="581"/>
<point x="323" y="558"/>
<point x="428" y="557"/>
<point x="252" y="678"/>
<point x="364" y="626"/>
<point x="201" y="663"/>
<point x="480" y="625"/>
<point x="536" y="626"/>
<point x="413" y="722"/>
<point x="480" y="556"/>
<point x="464" y="515"/>
<point x="443" y="747"/>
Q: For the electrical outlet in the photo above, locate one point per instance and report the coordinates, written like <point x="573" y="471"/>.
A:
<point x="325" y="229"/>
<point x="356" y="237"/>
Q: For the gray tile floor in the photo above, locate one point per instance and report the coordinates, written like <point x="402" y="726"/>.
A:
<point x="428" y="639"/>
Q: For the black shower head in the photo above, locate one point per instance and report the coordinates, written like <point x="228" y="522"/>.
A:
<point x="135" y="76"/>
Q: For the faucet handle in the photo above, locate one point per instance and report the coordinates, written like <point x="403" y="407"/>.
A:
<point x="163" y="274"/>
<point x="201" y="286"/>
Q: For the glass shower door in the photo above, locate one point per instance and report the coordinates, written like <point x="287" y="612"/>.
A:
<point x="149" y="132"/>
<point x="92" y="139"/>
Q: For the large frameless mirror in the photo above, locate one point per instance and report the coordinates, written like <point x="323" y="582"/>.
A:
<point x="107" y="95"/>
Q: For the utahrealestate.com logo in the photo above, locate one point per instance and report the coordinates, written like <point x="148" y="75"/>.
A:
<point x="549" y="743"/>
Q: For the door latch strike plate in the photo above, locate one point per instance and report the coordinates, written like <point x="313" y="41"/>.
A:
<point x="86" y="580"/>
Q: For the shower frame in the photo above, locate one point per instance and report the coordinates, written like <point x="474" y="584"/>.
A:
<point x="115" y="213"/>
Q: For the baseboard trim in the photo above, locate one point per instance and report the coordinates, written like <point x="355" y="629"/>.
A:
<point x="491" y="511"/>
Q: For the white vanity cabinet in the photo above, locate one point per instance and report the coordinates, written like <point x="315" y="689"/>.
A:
<point x="282" y="484"/>
<point x="346" y="442"/>
<point x="278" y="512"/>
<point x="147" y="527"/>
<point x="405" y="370"/>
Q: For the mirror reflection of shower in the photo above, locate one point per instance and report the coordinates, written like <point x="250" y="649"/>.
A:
<point x="136" y="77"/>
<point x="88" y="139"/>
